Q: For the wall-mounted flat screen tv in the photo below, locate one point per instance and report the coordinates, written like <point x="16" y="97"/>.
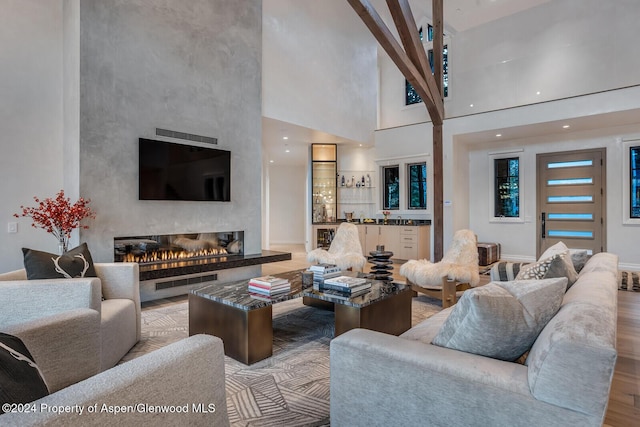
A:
<point x="170" y="171"/>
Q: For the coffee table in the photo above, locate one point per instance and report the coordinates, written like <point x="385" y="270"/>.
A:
<point x="386" y="308"/>
<point x="245" y="323"/>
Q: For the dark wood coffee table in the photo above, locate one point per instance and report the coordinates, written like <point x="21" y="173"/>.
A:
<point x="245" y="323"/>
<point x="386" y="308"/>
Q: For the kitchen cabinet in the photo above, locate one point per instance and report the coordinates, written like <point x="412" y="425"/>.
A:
<point x="405" y="241"/>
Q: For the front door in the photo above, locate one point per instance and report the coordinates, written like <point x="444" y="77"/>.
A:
<point x="571" y="200"/>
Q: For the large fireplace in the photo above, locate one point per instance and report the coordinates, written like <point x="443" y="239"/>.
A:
<point x="171" y="264"/>
<point x="178" y="254"/>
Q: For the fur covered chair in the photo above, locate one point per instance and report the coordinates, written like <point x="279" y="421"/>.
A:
<point x="457" y="271"/>
<point x="345" y="250"/>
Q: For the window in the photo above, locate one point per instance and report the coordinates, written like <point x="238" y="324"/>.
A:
<point x="417" y="173"/>
<point x="507" y="187"/>
<point x="411" y="96"/>
<point x="391" y="187"/>
<point x="634" y="186"/>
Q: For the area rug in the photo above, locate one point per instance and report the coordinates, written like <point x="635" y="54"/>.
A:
<point x="291" y="388"/>
<point x="629" y="281"/>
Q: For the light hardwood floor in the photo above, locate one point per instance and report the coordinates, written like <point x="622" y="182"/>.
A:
<point x="624" y="400"/>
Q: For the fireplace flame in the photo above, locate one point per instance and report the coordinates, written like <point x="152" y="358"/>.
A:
<point x="170" y="255"/>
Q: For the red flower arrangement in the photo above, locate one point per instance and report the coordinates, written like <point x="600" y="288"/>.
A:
<point x="58" y="216"/>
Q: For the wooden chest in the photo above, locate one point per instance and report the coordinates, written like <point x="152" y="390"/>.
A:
<point x="488" y="253"/>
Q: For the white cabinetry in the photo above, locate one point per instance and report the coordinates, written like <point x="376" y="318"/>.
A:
<point x="406" y="242"/>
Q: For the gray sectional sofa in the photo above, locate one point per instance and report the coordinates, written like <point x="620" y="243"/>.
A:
<point x="379" y="379"/>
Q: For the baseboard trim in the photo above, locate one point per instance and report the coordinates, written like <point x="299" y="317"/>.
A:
<point x="628" y="266"/>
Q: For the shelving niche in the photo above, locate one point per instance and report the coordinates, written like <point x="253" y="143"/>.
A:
<point x="355" y="195"/>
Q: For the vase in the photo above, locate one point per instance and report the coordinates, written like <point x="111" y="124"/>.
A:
<point x="62" y="246"/>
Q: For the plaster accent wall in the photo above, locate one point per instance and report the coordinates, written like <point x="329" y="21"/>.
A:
<point x="560" y="49"/>
<point x="193" y="67"/>
<point x="319" y="68"/>
<point x="31" y="37"/>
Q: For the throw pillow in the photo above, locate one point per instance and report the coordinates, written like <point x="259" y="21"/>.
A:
<point x="558" y="248"/>
<point x="20" y="377"/>
<point x="579" y="258"/>
<point x="501" y="320"/>
<point x="76" y="262"/>
<point x="536" y="270"/>
<point x="504" y="271"/>
<point x="569" y="270"/>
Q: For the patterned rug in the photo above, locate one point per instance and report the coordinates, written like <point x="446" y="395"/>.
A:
<point x="629" y="281"/>
<point x="291" y="388"/>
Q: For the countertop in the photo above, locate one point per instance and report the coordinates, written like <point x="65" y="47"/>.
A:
<point x="401" y="222"/>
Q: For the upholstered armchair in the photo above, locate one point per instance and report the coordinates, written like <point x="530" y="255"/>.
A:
<point x="457" y="271"/>
<point x="345" y="250"/>
<point x="188" y="375"/>
<point x="74" y="328"/>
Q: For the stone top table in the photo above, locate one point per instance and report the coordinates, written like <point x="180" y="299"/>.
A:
<point x="236" y="294"/>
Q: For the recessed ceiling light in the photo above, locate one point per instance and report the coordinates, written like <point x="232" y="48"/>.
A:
<point x="287" y="151"/>
<point x="471" y="105"/>
<point x="498" y="135"/>
<point x="566" y="127"/>
<point x="538" y="93"/>
<point x="285" y="137"/>
<point x="270" y="161"/>
<point x="360" y="145"/>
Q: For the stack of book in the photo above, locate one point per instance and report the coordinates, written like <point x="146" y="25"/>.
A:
<point x="346" y="287"/>
<point x="268" y="287"/>
<point x="321" y="272"/>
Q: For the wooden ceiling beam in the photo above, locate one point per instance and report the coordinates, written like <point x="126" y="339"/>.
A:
<point x="438" y="43"/>
<point x="407" y="28"/>
<point x="386" y="39"/>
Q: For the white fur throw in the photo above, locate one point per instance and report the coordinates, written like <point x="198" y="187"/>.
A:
<point x="345" y="250"/>
<point x="459" y="263"/>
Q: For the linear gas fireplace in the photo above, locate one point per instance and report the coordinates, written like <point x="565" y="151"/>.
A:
<point x="178" y="254"/>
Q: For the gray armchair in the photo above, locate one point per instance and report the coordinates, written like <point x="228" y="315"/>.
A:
<point x="70" y="331"/>
<point x="187" y="376"/>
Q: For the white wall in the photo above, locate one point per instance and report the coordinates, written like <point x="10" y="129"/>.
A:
<point x="519" y="239"/>
<point x="31" y="38"/>
<point x="287" y="195"/>
<point x="466" y="179"/>
<point x="319" y="67"/>
<point x="561" y="48"/>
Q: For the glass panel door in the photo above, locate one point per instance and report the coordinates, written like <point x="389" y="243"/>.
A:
<point x="571" y="200"/>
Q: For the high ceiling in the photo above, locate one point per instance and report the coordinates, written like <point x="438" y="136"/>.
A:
<point x="459" y="15"/>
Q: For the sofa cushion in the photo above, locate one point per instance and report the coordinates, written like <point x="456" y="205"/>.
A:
<point x="502" y="319"/>
<point x="76" y="262"/>
<point x="118" y="330"/>
<point x="20" y="377"/>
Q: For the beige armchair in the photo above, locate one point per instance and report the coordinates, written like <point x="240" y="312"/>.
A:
<point x="456" y="272"/>
<point x="69" y="329"/>
<point x="345" y="250"/>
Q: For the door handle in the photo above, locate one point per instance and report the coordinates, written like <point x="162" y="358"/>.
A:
<point x="543" y="224"/>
